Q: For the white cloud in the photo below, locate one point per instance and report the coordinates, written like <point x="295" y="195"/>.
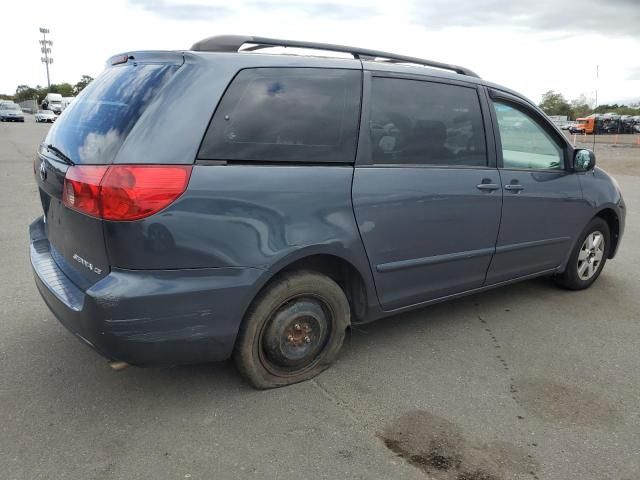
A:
<point x="530" y="52"/>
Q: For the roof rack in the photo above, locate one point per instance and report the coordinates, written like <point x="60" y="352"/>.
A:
<point x="233" y="43"/>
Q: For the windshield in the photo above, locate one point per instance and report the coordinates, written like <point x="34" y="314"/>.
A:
<point x="10" y="106"/>
<point x="93" y="127"/>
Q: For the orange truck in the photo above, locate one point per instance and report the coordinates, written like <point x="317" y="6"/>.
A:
<point x="584" y="125"/>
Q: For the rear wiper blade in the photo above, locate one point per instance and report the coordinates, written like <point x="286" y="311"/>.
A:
<point x="60" y="154"/>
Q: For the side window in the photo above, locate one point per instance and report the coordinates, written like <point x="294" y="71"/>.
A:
<point x="525" y="144"/>
<point x="425" y="123"/>
<point x="287" y="114"/>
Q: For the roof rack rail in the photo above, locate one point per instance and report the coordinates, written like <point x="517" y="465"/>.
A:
<point x="233" y="43"/>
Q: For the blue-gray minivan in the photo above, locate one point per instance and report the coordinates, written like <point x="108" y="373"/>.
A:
<point x="229" y="202"/>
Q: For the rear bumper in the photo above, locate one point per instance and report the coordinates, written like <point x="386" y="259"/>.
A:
<point x="148" y="318"/>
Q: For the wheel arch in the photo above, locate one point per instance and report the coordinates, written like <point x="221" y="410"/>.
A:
<point x="357" y="285"/>
<point x="610" y="216"/>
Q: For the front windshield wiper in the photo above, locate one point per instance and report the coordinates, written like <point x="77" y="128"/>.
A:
<point x="60" y="154"/>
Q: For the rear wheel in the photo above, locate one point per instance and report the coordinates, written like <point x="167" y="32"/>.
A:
<point x="588" y="257"/>
<point x="293" y="331"/>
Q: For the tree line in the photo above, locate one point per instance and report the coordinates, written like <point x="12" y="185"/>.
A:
<point x="25" y="92"/>
<point x="554" y="103"/>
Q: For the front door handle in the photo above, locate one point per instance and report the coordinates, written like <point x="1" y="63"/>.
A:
<point x="514" y="187"/>
<point x="488" y="186"/>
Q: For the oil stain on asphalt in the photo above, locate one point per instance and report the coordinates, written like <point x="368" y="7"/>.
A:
<point x="437" y="446"/>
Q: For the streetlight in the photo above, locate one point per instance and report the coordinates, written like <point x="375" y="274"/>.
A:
<point x="46" y="51"/>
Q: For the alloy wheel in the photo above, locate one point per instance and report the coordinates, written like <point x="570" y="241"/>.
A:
<point x="590" y="255"/>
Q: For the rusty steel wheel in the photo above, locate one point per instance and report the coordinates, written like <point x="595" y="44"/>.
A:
<point x="293" y="331"/>
<point x="295" y="334"/>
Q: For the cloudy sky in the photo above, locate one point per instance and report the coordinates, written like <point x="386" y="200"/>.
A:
<point x="530" y="46"/>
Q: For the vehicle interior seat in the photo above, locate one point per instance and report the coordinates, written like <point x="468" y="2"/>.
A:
<point x="426" y="143"/>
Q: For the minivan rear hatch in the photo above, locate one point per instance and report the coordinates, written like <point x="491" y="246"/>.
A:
<point x="87" y="138"/>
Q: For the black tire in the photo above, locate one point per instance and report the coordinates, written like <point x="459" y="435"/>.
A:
<point x="571" y="278"/>
<point x="293" y="330"/>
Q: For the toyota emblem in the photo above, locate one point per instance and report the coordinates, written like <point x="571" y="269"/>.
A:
<point x="43" y="171"/>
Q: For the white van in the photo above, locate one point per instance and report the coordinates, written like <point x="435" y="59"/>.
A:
<point x="53" y="102"/>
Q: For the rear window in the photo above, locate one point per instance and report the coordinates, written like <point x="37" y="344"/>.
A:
<point x="94" y="126"/>
<point x="286" y="114"/>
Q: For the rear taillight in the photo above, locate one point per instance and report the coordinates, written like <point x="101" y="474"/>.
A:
<point x="124" y="192"/>
<point x="82" y="189"/>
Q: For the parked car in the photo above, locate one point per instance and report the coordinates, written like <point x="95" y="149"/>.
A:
<point x="11" y="112"/>
<point x="299" y="196"/>
<point x="45" y="116"/>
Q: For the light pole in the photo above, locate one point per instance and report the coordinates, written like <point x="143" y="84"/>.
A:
<point x="46" y="51"/>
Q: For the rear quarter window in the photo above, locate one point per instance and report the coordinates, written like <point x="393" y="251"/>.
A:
<point x="287" y="115"/>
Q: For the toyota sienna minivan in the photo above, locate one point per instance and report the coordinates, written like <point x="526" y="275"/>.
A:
<point x="225" y="201"/>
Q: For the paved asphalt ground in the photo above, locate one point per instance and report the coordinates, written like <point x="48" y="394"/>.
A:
<point x="526" y="382"/>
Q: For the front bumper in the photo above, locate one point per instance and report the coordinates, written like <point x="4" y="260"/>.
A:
<point x="147" y="318"/>
<point x="622" y="220"/>
<point x="13" y="119"/>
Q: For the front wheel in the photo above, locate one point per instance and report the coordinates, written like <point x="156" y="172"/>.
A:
<point x="588" y="257"/>
<point x="293" y="331"/>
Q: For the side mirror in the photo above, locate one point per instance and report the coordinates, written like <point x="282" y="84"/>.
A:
<point x="583" y="160"/>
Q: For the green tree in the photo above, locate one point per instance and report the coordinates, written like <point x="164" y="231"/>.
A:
<point x="64" y="89"/>
<point x="6" y="97"/>
<point x="553" y="103"/>
<point x="606" y="107"/>
<point x="580" y="107"/>
<point x="25" y="92"/>
<point x="619" y="109"/>
<point x="84" y="81"/>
